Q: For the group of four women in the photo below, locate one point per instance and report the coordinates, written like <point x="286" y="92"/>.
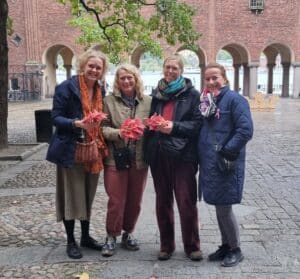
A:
<point x="206" y="129"/>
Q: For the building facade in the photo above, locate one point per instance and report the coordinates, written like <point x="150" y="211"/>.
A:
<point x="244" y="28"/>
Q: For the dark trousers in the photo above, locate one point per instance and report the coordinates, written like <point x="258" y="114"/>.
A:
<point x="125" y="191"/>
<point x="173" y="176"/>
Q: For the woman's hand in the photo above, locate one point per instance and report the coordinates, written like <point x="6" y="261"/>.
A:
<point x="166" y="127"/>
<point x="86" y="126"/>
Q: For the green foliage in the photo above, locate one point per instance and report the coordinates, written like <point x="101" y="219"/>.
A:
<point x="9" y="26"/>
<point x="120" y="26"/>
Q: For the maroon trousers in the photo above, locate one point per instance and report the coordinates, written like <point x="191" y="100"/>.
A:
<point x="178" y="177"/>
<point x="125" y="191"/>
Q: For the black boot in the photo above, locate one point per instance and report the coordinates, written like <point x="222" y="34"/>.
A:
<point x="233" y="257"/>
<point x="73" y="250"/>
<point x="220" y="254"/>
<point x="86" y="240"/>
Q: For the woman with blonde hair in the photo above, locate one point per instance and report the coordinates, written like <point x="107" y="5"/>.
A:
<point x="124" y="187"/>
<point x="73" y="101"/>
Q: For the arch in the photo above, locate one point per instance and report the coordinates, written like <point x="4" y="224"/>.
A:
<point x="136" y="55"/>
<point x="286" y="53"/>
<point x="49" y="59"/>
<point x="202" y="57"/>
<point x="199" y="52"/>
<point x="240" y="57"/>
<point x="287" y="57"/>
<point x="239" y="53"/>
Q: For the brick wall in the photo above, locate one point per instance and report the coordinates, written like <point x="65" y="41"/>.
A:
<point x="221" y="22"/>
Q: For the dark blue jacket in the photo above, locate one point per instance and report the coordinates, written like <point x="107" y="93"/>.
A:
<point x="232" y="130"/>
<point x="182" y="142"/>
<point x="66" y="108"/>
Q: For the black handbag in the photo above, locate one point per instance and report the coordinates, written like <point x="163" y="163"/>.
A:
<point x="122" y="157"/>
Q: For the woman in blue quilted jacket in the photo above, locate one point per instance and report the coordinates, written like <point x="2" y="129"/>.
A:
<point x="227" y="127"/>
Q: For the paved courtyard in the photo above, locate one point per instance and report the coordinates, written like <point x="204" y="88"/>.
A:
<point x="32" y="244"/>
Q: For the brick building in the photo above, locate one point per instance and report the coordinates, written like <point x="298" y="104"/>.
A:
<point x="244" y="28"/>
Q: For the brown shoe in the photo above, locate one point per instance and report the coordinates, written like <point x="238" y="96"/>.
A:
<point x="196" y="256"/>
<point x="164" y="256"/>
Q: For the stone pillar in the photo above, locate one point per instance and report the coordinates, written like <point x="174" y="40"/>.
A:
<point x="68" y="70"/>
<point x="246" y="80"/>
<point x="270" y="77"/>
<point x="202" y="70"/>
<point x="296" y="80"/>
<point x="31" y="13"/>
<point x="253" y="78"/>
<point x="285" y="79"/>
<point x="236" y="85"/>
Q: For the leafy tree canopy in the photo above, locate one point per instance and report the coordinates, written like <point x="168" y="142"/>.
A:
<point x="119" y="26"/>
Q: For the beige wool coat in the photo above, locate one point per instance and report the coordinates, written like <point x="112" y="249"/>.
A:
<point x="117" y="112"/>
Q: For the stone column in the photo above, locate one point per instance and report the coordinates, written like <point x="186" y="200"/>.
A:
<point x="31" y="13"/>
<point x="202" y="70"/>
<point x="270" y="77"/>
<point x="285" y="79"/>
<point x="246" y="80"/>
<point x="236" y="85"/>
<point x="253" y="78"/>
<point x="68" y="70"/>
<point x="296" y="80"/>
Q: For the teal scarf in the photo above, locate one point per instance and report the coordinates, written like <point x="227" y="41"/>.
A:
<point x="167" y="90"/>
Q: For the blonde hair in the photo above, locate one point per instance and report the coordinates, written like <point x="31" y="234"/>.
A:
<point x="177" y="57"/>
<point x="84" y="57"/>
<point x="221" y="68"/>
<point x="133" y="70"/>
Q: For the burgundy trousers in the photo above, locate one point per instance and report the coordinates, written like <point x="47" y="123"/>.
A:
<point x="175" y="177"/>
<point x="125" y="191"/>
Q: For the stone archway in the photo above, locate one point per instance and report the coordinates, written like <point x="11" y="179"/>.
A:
<point x="202" y="58"/>
<point x="241" y="58"/>
<point x="136" y="56"/>
<point x="271" y="52"/>
<point x="50" y="61"/>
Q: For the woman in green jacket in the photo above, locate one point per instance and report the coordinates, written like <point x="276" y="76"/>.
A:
<point x="124" y="187"/>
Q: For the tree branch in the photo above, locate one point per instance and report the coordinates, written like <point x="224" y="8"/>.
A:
<point x="145" y="3"/>
<point x="89" y="9"/>
<point x="119" y="21"/>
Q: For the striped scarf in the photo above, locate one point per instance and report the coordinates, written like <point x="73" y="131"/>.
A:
<point x="167" y="90"/>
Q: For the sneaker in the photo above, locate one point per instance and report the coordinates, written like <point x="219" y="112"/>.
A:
<point x="164" y="256"/>
<point x="220" y="254"/>
<point x="195" y="255"/>
<point x="90" y="243"/>
<point x="129" y="242"/>
<point x="73" y="251"/>
<point x="233" y="258"/>
<point x="109" y="247"/>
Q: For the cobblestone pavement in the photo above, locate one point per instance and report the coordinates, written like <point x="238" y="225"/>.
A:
<point x="32" y="243"/>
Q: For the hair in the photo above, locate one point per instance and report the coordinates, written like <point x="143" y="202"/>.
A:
<point x="131" y="69"/>
<point x="177" y="57"/>
<point x="90" y="53"/>
<point x="221" y="68"/>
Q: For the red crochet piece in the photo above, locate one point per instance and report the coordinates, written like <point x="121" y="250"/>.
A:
<point x="154" y="121"/>
<point x="132" y="128"/>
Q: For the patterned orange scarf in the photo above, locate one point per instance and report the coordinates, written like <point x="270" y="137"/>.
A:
<point x="96" y="132"/>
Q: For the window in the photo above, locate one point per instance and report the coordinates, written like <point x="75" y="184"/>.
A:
<point x="16" y="39"/>
<point x="256" y="5"/>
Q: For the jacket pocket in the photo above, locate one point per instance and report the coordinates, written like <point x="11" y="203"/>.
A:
<point x="57" y="147"/>
<point x="173" y="146"/>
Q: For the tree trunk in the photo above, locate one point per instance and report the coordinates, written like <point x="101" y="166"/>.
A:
<point x="3" y="74"/>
